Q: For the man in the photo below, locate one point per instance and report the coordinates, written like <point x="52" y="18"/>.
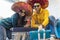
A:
<point x="39" y="17"/>
<point x="41" y="14"/>
<point x="19" y="19"/>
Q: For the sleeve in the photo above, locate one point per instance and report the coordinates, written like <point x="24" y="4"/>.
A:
<point x="14" y="19"/>
<point x="46" y="19"/>
<point x="33" y="22"/>
<point x="6" y="23"/>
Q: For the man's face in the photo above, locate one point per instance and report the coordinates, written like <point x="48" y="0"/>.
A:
<point x="22" y="13"/>
<point x="37" y="6"/>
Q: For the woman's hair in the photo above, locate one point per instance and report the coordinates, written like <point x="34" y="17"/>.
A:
<point x="21" y="21"/>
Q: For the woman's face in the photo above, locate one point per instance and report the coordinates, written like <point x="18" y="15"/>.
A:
<point x="37" y="6"/>
<point x="22" y="13"/>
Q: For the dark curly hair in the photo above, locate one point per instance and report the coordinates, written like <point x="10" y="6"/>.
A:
<point x="44" y="3"/>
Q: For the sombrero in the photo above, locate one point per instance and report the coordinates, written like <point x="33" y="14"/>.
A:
<point x="22" y="6"/>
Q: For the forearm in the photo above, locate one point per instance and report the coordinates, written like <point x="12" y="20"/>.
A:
<point x="45" y="22"/>
<point x="34" y="25"/>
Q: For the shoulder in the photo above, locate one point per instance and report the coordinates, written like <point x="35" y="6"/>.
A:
<point x="15" y="15"/>
<point x="45" y="10"/>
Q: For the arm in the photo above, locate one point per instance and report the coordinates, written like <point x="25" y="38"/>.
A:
<point x="9" y="22"/>
<point x="28" y="24"/>
<point x="46" y="20"/>
<point x="33" y="24"/>
<point x="6" y="23"/>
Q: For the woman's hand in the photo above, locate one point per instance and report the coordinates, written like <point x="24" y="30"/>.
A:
<point x="27" y="25"/>
<point x="28" y="22"/>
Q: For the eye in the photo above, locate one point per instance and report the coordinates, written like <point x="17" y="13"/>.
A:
<point x="22" y="11"/>
<point x="36" y="6"/>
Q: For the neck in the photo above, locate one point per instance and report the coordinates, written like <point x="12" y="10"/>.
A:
<point x="38" y="11"/>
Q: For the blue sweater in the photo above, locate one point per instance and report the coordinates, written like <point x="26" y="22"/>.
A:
<point x="9" y="22"/>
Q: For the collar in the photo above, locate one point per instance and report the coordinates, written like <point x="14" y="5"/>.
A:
<point x="41" y="10"/>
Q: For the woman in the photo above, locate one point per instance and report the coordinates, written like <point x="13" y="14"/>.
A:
<point x="20" y="18"/>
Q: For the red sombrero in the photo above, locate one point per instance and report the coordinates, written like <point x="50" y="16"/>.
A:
<point x="44" y="3"/>
<point x="22" y="6"/>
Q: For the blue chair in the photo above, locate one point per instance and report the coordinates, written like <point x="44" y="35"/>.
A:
<point x="48" y="34"/>
<point x="50" y="26"/>
<point x="34" y="34"/>
<point x="57" y="28"/>
<point x="52" y="20"/>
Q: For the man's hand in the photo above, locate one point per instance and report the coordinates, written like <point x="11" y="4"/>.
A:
<point x="40" y="27"/>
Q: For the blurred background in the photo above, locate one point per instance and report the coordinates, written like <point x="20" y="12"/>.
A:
<point x="5" y="8"/>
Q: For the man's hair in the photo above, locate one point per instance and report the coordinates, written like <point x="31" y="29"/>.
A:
<point x="44" y="3"/>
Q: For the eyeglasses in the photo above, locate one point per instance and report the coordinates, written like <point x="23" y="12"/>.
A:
<point x="36" y="6"/>
<point x="23" y="11"/>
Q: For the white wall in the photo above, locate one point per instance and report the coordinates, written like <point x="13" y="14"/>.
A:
<point x="5" y="8"/>
<point x="54" y="8"/>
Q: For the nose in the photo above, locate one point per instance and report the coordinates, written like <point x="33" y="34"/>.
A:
<point x="23" y="14"/>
